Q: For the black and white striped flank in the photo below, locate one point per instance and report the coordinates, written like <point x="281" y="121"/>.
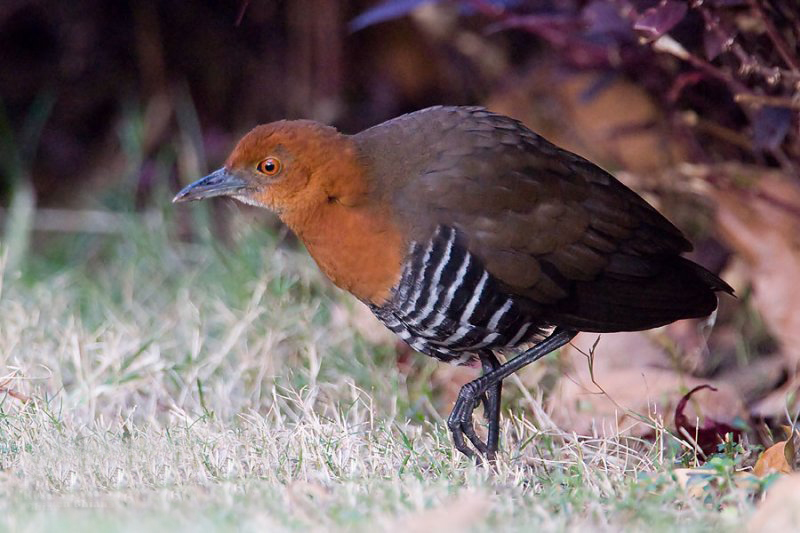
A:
<point x="448" y="306"/>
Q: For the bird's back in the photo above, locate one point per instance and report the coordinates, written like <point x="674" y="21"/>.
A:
<point x="509" y="234"/>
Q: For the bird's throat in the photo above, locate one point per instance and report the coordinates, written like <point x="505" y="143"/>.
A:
<point x="359" y="248"/>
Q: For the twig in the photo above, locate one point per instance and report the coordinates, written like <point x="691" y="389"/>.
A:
<point x="772" y="75"/>
<point x="783" y="49"/>
<point x="759" y="100"/>
<point x="242" y="8"/>
<point x="693" y="442"/>
<point x="723" y="179"/>
<point x="14" y="394"/>
<point x="693" y="120"/>
<point x="748" y="62"/>
<point x="668" y="45"/>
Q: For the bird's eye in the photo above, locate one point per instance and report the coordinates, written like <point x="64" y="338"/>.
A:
<point x="269" y="166"/>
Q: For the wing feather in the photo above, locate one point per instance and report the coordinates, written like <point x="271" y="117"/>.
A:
<point x="550" y="226"/>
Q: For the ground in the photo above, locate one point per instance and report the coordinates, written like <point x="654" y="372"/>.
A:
<point x="151" y="382"/>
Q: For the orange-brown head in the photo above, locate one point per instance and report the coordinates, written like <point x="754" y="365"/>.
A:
<point x="311" y="176"/>
<point x="286" y="166"/>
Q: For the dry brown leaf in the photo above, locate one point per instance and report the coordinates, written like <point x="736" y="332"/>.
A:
<point x="609" y="122"/>
<point x="761" y="222"/>
<point x="773" y="459"/>
<point x="780" y="510"/>
<point x="779" y="457"/>
<point x="635" y="376"/>
<point x="774" y="404"/>
<point x="4" y="389"/>
<point x="756" y="378"/>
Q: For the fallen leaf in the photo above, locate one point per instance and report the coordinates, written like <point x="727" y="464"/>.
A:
<point x="658" y="20"/>
<point x="754" y="378"/>
<point x="708" y="434"/>
<point x="779" y="457"/>
<point x="636" y="377"/>
<point x="773" y="459"/>
<point x="619" y="126"/>
<point x="759" y="221"/>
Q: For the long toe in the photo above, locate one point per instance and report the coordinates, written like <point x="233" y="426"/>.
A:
<point x="454" y="425"/>
<point x="469" y="430"/>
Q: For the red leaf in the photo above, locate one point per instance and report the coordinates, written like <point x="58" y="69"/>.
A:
<point x="718" y="36"/>
<point x="713" y="44"/>
<point x="658" y="20"/>
<point x="710" y="432"/>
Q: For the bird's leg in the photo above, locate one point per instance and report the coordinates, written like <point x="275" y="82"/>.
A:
<point x="491" y="404"/>
<point x="491" y="410"/>
<point x="460" y="420"/>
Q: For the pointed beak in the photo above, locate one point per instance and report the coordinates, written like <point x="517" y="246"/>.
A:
<point x="219" y="183"/>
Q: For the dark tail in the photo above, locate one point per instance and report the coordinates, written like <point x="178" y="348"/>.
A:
<point x="672" y="288"/>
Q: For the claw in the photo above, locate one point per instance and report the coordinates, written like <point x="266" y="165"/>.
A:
<point x="460" y="423"/>
<point x="454" y="425"/>
<point x="469" y="431"/>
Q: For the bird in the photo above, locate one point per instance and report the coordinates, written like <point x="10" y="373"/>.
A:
<point x="469" y="235"/>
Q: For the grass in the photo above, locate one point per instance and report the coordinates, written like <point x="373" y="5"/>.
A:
<point x="196" y="386"/>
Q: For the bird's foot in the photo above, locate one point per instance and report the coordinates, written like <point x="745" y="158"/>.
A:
<point x="488" y="388"/>
<point x="461" y="423"/>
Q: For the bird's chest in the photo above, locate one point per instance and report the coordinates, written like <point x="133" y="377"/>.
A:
<point x="448" y="306"/>
<point x="360" y="250"/>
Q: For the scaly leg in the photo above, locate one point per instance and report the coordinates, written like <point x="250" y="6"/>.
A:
<point x="491" y="405"/>
<point x="460" y="420"/>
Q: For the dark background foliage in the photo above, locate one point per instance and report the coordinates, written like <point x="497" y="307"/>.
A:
<point x="729" y="93"/>
<point x="95" y="61"/>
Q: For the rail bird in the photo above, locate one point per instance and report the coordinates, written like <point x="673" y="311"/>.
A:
<point x="467" y="233"/>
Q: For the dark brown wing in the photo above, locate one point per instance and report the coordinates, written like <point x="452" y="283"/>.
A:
<point x="554" y="229"/>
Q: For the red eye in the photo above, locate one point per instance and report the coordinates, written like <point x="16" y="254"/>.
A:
<point x="269" y="166"/>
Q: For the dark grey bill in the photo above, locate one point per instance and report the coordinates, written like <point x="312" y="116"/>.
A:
<point x="219" y="183"/>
